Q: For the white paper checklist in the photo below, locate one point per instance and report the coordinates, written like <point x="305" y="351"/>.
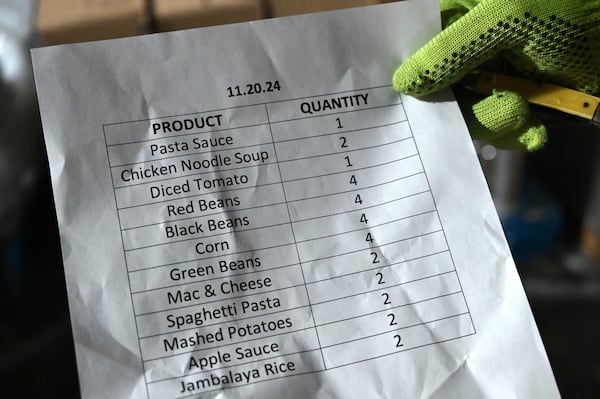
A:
<point x="251" y="211"/>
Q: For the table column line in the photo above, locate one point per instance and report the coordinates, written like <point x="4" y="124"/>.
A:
<point x="135" y="314"/>
<point x="439" y="219"/>
<point x="458" y="294"/>
<point x="135" y="321"/>
<point x="294" y="237"/>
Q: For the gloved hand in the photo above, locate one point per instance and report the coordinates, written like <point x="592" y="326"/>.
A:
<point x="552" y="41"/>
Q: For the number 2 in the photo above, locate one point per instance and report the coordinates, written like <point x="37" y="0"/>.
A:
<point x="398" y="339"/>
<point x="386" y="297"/>
<point x="374" y="255"/>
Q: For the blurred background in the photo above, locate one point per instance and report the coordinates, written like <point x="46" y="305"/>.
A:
<point x="549" y="201"/>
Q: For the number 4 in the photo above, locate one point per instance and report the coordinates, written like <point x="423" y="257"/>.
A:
<point x="363" y="219"/>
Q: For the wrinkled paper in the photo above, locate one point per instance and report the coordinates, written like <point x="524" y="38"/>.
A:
<point x="251" y="211"/>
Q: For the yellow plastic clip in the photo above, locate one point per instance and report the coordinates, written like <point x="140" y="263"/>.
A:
<point x="548" y="95"/>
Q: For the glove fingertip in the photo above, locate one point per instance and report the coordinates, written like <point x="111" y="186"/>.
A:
<point x="502" y="112"/>
<point x="405" y="80"/>
<point x="531" y="138"/>
<point x="534" y="138"/>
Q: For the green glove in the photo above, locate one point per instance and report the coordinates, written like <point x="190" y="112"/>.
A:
<point x="553" y="41"/>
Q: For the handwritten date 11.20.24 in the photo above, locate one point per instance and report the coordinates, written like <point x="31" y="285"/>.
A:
<point x="253" y="88"/>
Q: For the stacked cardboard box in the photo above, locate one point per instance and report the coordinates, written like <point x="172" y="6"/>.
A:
<point x="69" y="21"/>
<point x="185" y="14"/>
<point x="280" y="8"/>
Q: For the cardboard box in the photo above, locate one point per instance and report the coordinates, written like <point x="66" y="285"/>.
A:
<point x="184" y="14"/>
<point x="70" y="21"/>
<point x="281" y="8"/>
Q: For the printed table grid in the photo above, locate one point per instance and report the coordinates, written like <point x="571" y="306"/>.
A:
<point x="388" y="267"/>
